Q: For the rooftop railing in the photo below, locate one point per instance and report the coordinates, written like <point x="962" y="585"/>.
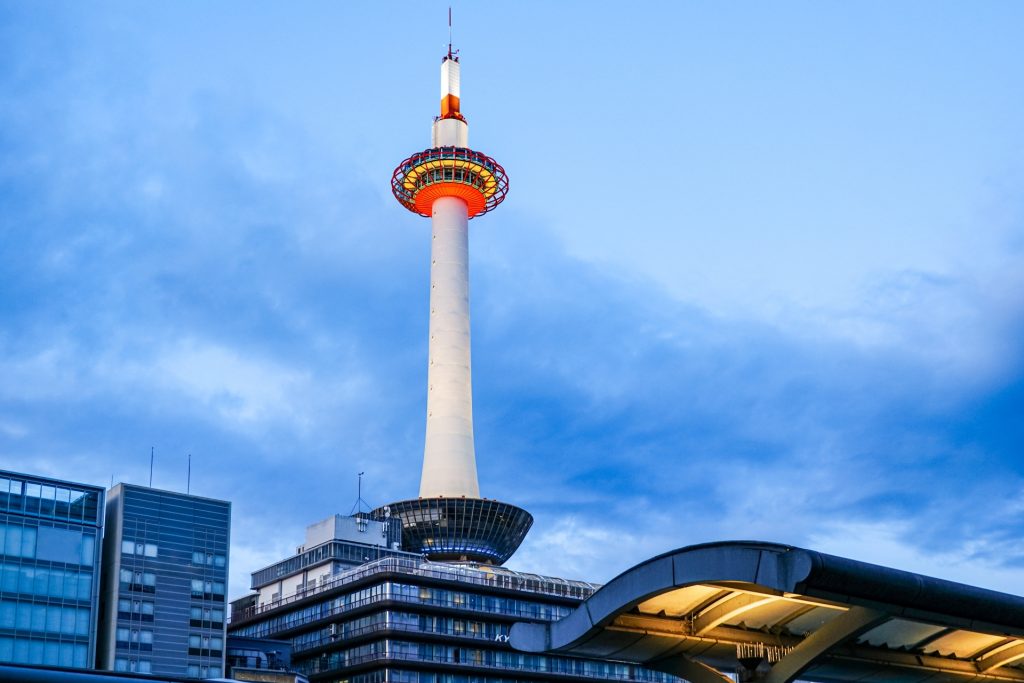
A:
<point x="489" y="577"/>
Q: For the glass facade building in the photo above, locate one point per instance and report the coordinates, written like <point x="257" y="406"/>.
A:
<point x="49" y="569"/>
<point x="164" y="583"/>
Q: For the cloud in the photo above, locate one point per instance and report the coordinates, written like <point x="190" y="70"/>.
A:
<point x="194" y="271"/>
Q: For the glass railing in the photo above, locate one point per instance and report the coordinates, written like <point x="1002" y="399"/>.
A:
<point x="489" y="577"/>
<point x="386" y="651"/>
<point x="325" y="638"/>
<point x="274" y="626"/>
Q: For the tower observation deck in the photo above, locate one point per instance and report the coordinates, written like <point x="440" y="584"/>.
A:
<point x="451" y="183"/>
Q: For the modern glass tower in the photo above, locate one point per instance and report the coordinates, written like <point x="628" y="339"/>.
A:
<point x="164" y="583"/>
<point x="50" y="563"/>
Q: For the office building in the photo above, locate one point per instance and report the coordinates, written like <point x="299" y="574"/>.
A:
<point x="406" y="619"/>
<point x="165" y="579"/>
<point x="50" y="554"/>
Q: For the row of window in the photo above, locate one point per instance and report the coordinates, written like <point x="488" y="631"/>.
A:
<point x="36" y="651"/>
<point x="408" y="593"/>
<point x="206" y="616"/>
<point x="447" y="175"/>
<point x="209" y="559"/>
<point x="18" y="540"/>
<point x="45" y="582"/>
<point x="209" y="644"/>
<point x="202" y="671"/>
<point x="142" y="666"/>
<point x="137" y="581"/>
<point x="501" y="659"/>
<point x="134" y="636"/>
<point x="401" y="621"/>
<point x="338" y="550"/>
<point x="207" y="589"/>
<point x="140" y="608"/>
<point x="50" y="544"/>
<point x="138" y="548"/>
<point x="45" y="500"/>
<point x="24" y="616"/>
<point x="146" y="582"/>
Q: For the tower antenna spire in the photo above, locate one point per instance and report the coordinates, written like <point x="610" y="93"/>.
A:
<point x="452" y="54"/>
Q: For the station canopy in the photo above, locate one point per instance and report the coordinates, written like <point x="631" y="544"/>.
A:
<point x="775" y="613"/>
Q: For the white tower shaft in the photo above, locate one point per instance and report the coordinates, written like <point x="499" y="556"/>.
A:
<point x="449" y="458"/>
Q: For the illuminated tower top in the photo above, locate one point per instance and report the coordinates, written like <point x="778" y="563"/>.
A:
<point x="451" y="183"/>
<point x="449" y="168"/>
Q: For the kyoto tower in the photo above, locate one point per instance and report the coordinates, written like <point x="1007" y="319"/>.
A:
<point x="451" y="183"/>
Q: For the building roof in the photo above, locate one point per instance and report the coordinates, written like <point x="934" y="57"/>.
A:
<point x="701" y="609"/>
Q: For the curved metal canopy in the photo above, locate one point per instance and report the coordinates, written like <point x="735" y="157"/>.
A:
<point x="776" y="613"/>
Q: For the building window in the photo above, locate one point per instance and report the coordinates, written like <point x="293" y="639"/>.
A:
<point x="141" y="638"/>
<point x="206" y="616"/>
<point x="208" y="559"/>
<point x="129" y="547"/>
<point x="18" y="541"/>
<point x="138" y="581"/>
<point x="143" y="609"/>
<point x="207" y="589"/>
<point x="44" y="618"/>
<point x="196" y="671"/>
<point x="46" y="582"/>
<point x="205" y="645"/>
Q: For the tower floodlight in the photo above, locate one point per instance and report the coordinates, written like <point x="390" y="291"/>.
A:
<point x="451" y="183"/>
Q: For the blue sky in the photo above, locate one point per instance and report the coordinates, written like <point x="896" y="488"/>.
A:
<point x="760" y="273"/>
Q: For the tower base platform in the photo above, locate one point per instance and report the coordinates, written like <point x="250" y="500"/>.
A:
<point x="460" y="529"/>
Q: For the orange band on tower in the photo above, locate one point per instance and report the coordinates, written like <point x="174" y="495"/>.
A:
<point x="450" y="108"/>
<point x="476" y="202"/>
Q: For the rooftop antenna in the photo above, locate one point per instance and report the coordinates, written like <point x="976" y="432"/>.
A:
<point x="188" y="479"/>
<point x="357" y="508"/>
<point x="150" y="467"/>
<point x="451" y="54"/>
